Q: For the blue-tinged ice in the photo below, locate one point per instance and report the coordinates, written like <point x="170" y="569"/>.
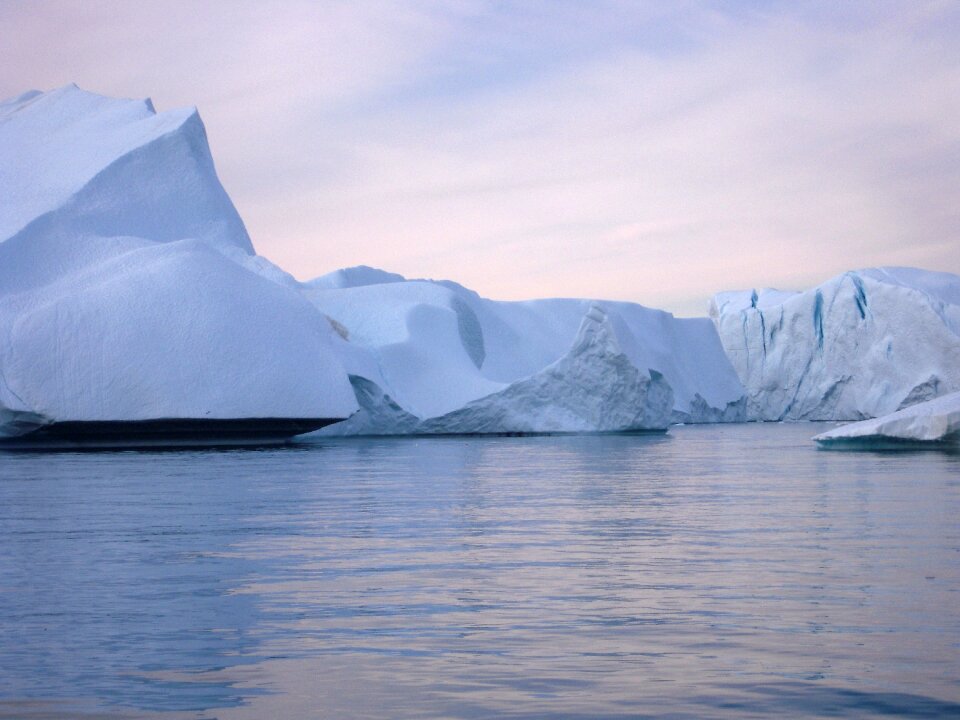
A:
<point x="861" y="345"/>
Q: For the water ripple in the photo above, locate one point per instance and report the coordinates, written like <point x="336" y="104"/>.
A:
<point x="728" y="571"/>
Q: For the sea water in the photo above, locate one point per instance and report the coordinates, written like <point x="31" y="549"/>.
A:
<point x="716" y="571"/>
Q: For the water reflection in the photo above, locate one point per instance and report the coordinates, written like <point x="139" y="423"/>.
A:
<point x="714" y="572"/>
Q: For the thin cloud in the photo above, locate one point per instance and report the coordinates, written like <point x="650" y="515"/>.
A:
<point x="656" y="154"/>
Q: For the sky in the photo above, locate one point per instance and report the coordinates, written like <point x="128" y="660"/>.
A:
<point x="656" y="152"/>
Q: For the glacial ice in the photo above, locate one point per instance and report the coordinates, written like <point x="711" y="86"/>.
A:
<point x="861" y="345"/>
<point x="128" y="285"/>
<point x="935" y="421"/>
<point x="442" y="359"/>
<point x="130" y="290"/>
<point x="74" y="163"/>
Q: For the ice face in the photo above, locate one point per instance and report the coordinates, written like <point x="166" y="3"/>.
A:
<point x="594" y="387"/>
<point x="170" y="330"/>
<point x="861" y="345"/>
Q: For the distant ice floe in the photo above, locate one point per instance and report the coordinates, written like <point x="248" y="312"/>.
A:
<point x="861" y="345"/>
<point x="934" y="422"/>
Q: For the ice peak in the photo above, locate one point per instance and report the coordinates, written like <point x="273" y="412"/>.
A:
<point x="596" y="331"/>
<point x="108" y="167"/>
<point x="356" y="276"/>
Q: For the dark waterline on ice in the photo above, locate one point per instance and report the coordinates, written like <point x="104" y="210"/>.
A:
<point x="714" y="572"/>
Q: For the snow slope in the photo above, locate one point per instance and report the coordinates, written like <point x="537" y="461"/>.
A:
<point x="128" y="285"/>
<point x="354" y="277"/>
<point x="74" y="163"/>
<point x="933" y="421"/>
<point x="861" y="345"/>
<point x="414" y="340"/>
<point x="437" y="352"/>
<point x="78" y="163"/>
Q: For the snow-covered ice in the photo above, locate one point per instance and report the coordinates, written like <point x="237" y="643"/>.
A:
<point x="73" y="162"/>
<point x="931" y="422"/>
<point x="435" y="356"/>
<point x="861" y="345"/>
<point x="128" y="285"/>
<point x="130" y="290"/>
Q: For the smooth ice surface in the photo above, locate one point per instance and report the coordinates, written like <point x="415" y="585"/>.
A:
<point x="414" y="340"/>
<point x="932" y="421"/>
<point x="354" y="277"/>
<point x="169" y="330"/>
<point x="80" y="163"/>
<point x="128" y="287"/>
<point x="861" y="345"/>
<point x="717" y="571"/>
<point x="441" y="353"/>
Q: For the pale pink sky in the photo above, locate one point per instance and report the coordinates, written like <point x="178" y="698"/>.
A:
<point x="655" y="152"/>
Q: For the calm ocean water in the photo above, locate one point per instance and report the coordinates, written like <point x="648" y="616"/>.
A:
<point x="714" y="572"/>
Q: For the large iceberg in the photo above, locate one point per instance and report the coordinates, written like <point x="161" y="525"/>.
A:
<point x="861" y="345"/>
<point x="934" y="422"/>
<point x="434" y="357"/>
<point x="130" y="293"/>
<point x="129" y="290"/>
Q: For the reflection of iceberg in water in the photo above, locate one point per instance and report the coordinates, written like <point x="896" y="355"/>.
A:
<point x="125" y="576"/>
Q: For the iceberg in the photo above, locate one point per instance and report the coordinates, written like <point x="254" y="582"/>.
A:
<point x="861" y="345"/>
<point x="430" y="356"/>
<point x="131" y="300"/>
<point x="933" y="423"/>
<point x="133" y="305"/>
<point x="593" y="388"/>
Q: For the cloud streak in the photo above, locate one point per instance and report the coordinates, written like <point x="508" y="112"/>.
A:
<point x="655" y="154"/>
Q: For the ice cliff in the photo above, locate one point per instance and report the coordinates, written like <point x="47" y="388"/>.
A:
<point x="932" y="422"/>
<point x="861" y="345"/>
<point x="129" y="289"/>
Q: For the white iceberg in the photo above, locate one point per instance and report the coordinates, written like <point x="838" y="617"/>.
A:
<point x="593" y="388"/>
<point x="129" y="290"/>
<point x="433" y="356"/>
<point x="413" y="339"/>
<point x="861" y="345"/>
<point x="932" y="422"/>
